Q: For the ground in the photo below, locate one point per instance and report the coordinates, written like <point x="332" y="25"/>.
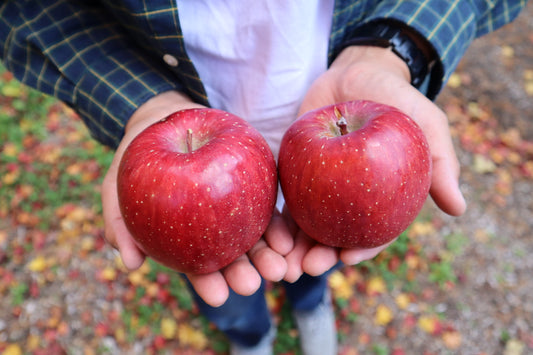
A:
<point x="448" y="286"/>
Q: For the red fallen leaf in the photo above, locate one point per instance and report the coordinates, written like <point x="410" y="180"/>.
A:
<point x="113" y="316"/>
<point x="409" y="322"/>
<point x="398" y="351"/>
<point x="7" y="76"/>
<point x="101" y="329"/>
<point x="38" y="239"/>
<point x="394" y="263"/>
<point x="35" y="290"/>
<point x="364" y="338"/>
<point x="355" y="306"/>
<point x="391" y="332"/>
<point x="50" y="335"/>
<point x="163" y="295"/>
<point x="159" y="342"/>
<point x="86" y="317"/>
<point x="73" y="274"/>
<point x="162" y="278"/>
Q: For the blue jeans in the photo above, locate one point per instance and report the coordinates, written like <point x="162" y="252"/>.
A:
<point x="246" y="319"/>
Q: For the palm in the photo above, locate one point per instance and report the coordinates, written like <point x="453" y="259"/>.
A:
<point x="379" y="78"/>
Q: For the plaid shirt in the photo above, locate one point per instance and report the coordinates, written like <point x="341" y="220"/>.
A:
<point x="106" y="58"/>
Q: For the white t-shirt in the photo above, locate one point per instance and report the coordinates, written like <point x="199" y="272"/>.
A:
<point x="258" y="58"/>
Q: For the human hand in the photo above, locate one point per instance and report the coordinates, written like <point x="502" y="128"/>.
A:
<point x="377" y="74"/>
<point x="213" y="288"/>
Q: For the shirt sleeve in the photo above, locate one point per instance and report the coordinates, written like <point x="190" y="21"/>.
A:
<point x="450" y="26"/>
<point x="77" y="52"/>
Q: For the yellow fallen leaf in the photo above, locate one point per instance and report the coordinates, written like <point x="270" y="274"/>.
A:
<point x="376" y="285"/>
<point x="454" y="81"/>
<point x="10" y="177"/>
<point x="168" y="328"/>
<point x="383" y="315"/>
<point x="12" y="349"/>
<point x="507" y="51"/>
<point x="38" y="264"/>
<point x="10" y="150"/>
<point x="192" y="337"/>
<point x="402" y="301"/>
<point x="514" y="347"/>
<point x="483" y="165"/>
<point x="428" y="324"/>
<point x="528" y="87"/>
<point x="136" y="278"/>
<point x="33" y="342"/>
<point x="109" y="274"/>
<point x="421" y="228"/>
<point x="340" y="286"/>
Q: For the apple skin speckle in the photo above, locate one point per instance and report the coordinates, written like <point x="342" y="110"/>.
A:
<point x="357" y="189"/>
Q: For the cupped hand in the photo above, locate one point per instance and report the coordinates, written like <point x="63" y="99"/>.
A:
<point x="265" y="259"/>
<point x="377" y="74"/>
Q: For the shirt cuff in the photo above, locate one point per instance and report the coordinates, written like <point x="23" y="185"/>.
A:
<point x="449" y="27"/>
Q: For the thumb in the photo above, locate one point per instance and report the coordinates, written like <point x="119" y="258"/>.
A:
<point x="445" y="187"/>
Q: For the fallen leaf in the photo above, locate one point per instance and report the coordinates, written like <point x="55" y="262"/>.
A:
<point x="192" y="337"/>
<point x="340" y="286"/>
<point x="514" y="347"/>
<point x="452" y="340"/>
<point x="376" y="286"/>
<point x="454" y="81"/>
<point x="429" y="324"/>
<point x="38" y="264"/>
<point x="168" y="328"/>
<point x="483" y="165"/>
<point x="12" y="349"/>
<point x="383" y="315"/>
<point x="402" y="301"/>
<point x="507" y="51"/>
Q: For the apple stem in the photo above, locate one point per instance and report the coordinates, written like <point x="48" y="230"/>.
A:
<point x="341" y="122"/>
<point x="189" y="140"/>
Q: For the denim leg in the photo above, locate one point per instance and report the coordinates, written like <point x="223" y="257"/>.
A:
<point x="307" y="293"/>
<point x="244" y="319"/>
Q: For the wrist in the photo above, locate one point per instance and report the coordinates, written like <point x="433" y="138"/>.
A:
<point x="425" y="68"/>
<point x="383" y="58"/>
<point x="157" y="108"/>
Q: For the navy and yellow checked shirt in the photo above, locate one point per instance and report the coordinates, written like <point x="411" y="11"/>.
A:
<point x="106" y="58"/>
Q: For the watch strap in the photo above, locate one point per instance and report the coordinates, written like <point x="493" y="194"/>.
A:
<point x="400" y="39"/>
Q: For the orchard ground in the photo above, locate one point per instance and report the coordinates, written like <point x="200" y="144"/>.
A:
<point x="447" y="286"/>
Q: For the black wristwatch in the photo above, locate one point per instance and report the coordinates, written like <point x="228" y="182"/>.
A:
<point x="406" y="44"/>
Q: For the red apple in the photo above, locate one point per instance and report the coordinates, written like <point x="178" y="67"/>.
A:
<point x="354" y="174"/>
<point x="197" y="189"/>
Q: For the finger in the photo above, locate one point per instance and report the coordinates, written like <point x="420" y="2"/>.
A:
<point x="445" y="175"/>
<point x="242" y="276"/>
<point x="132" y="257"/>
<point x="320" y="259"/>
<point x="212" y="288"/>
<point x="271" y="265"/>
<point x="356" y="255"/>
<point x="116" y="232"/>
<point x="278" y="235"/>
<point x="289" y="221"/>
<point x="294" y="259"/>
<point x="445" y="187"/>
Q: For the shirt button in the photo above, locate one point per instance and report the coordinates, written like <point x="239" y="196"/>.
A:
<point x="170" y="60"/>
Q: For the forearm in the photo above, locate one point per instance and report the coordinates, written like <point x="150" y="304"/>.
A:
<point x="447" y="28"/>
<point x="80" y="54"/>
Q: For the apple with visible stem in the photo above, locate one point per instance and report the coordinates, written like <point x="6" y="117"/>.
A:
<point x="197" y="189"/>
<point x="354" y="174"/>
